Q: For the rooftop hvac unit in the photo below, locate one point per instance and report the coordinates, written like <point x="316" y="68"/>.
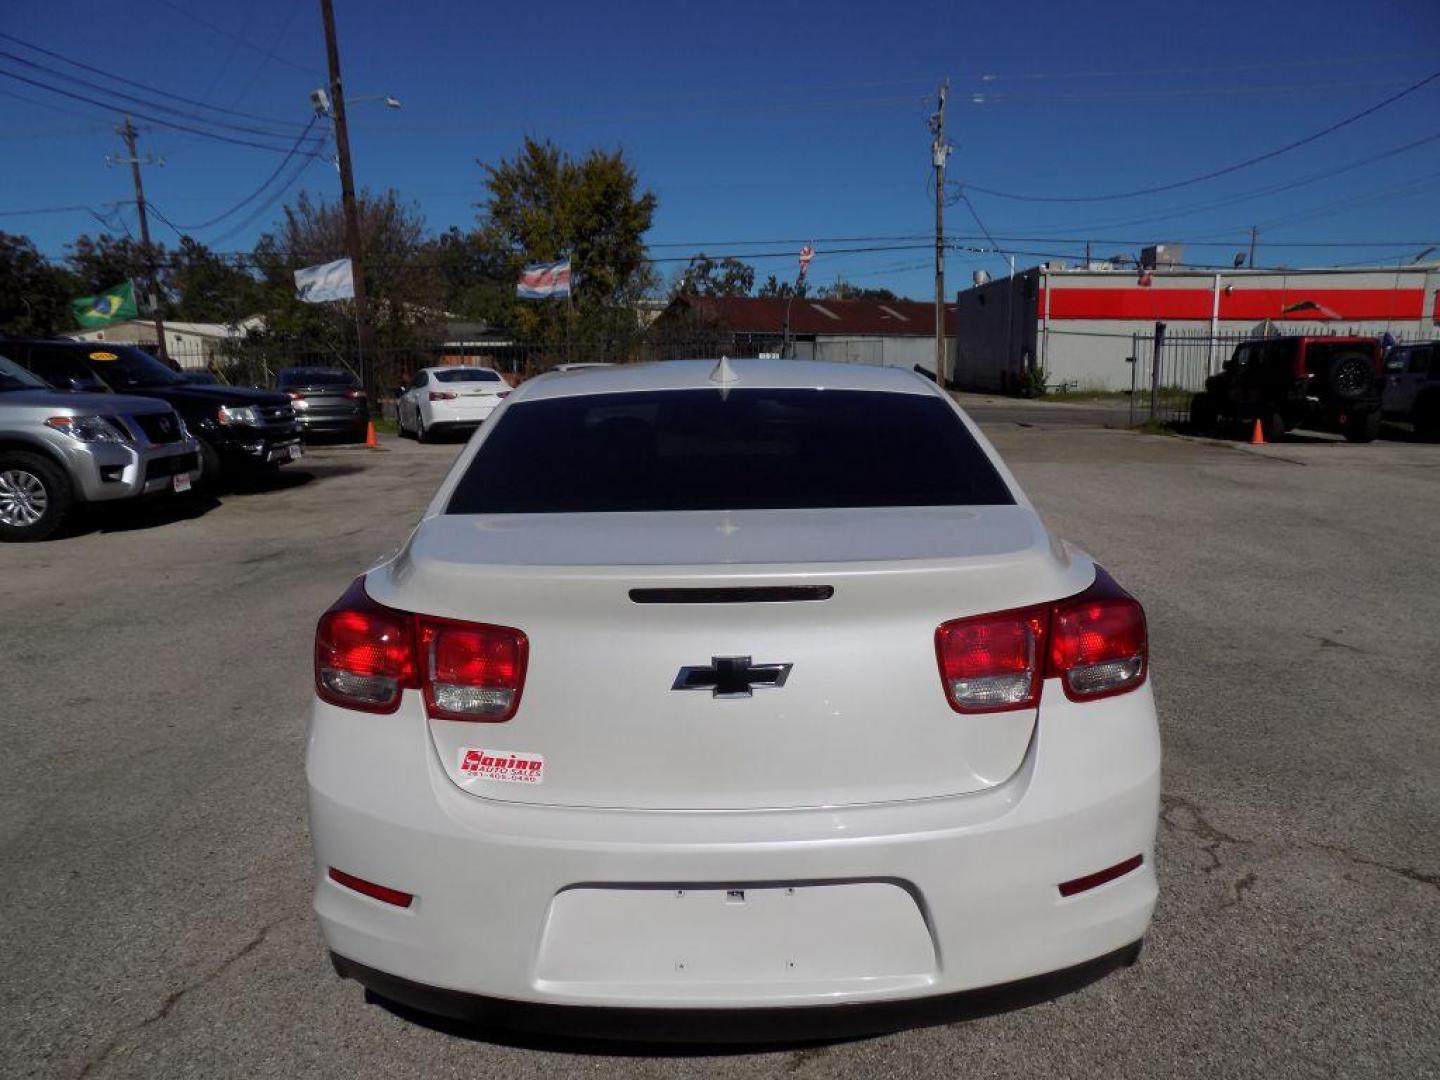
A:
<point x="980" y="277"/>
<point x="1162" y="256"/>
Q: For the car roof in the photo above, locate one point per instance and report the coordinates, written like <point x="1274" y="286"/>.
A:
<point x="462" y="367"/>
<point x="752" y="374"/>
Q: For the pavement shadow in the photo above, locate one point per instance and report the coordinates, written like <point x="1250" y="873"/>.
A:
<point x="132" y="515"/>
<point x="671" y="1033"/>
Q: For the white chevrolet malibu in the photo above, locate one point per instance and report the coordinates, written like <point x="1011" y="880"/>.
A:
<point x="727" y="687"/>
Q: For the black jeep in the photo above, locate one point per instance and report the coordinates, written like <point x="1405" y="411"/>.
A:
<point x="1325" y="383"/>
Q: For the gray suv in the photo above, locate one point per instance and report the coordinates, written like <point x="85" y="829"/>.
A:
<point x="59" y="448"/>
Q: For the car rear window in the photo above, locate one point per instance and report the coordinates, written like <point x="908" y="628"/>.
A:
<point x="466" y="375"/>
<point x="747" y="449"/>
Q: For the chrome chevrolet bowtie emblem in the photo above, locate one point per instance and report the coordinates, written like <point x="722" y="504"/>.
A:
<point x="731" y="677"/>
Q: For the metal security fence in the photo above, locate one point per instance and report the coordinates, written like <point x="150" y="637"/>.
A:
<point x="1169" y="368"/>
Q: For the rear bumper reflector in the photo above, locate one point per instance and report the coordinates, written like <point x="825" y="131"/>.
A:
<point x="370" y="889"/>
<point x="1100" y="877"/>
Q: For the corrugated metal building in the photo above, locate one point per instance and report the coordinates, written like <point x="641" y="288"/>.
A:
<point x="1077" y="324"/>
<point x="888" y="333"/>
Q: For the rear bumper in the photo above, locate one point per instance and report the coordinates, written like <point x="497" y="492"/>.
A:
<point x="756" y="1025"/>
<point x="496" y="884"/>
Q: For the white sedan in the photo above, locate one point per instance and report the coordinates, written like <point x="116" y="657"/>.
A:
<point x="447" y="399"/>
<point x="714" y="690"/>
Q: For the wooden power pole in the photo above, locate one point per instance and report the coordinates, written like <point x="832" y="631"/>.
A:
<point x="347" y="198"/>
<point x="939" y="151"/>
<point x="127" y="132"/>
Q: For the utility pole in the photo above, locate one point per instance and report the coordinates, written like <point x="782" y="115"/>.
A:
<point x="1254" y="232"/>
<point x="939" y="151"/>
<point x="127" y="132"/>
<point x="347" y="198"/>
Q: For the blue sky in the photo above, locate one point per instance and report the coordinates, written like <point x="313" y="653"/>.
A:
<point x="775" y="122"/>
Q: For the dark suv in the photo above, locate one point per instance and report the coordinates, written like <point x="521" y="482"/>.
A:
<point x="239" y="429"/>
<point x="1326" y="383"/>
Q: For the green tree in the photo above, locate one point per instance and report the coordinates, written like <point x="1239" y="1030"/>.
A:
<point x="102" y="262"/>
<point x="707" y="277"/>
<point x="35" y="295"/>
<point x="774" y="289"/>
<point x="203" y="287"/>
<point x="543" y="205"/>
<point x="843" y="290"/>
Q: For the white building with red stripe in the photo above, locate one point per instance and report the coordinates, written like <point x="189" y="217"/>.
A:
<point x="1078" y="325"/>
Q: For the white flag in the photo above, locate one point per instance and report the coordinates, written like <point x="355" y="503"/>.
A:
<point x="329" y="281"/>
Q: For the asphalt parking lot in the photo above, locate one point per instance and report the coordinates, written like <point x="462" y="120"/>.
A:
<point x="155" y="869"/>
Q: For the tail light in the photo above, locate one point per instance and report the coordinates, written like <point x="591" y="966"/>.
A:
<point x="472" y="672"/>
<point x="354" y="395"/>
<point x="442" y="395"/>
<point x="367" y="655"/>
<point x="993" y="662"/>
<point x="295" y="395"/>
<point x="1098" y="643"/>
<point x="1094" y="643"/>
<point x="364" y="653"/>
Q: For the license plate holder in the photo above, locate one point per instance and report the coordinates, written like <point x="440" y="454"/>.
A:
<point x="180" y="483"/>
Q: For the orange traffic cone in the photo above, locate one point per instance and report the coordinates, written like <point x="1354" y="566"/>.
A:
<point x="371" y="443"/>
<point x="1257" y="436"/>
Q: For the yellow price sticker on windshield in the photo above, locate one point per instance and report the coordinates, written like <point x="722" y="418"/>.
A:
<point x="104" y="356"/>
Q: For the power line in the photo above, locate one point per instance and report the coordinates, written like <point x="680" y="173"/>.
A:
<point x="257" y="192"/>
<point x="1213" y="174"/>
<point x="153" y="119"/>
<point x="148" y="103"/>
<point x="90" y="68"/>
<point x="217" y="28"/>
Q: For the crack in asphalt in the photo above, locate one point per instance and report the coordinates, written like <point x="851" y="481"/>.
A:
<point x="1195" y="824"/>
<point x="1241" y="887"/>
<point x="167" y="1006"/>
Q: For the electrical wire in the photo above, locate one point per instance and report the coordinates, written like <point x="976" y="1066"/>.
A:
<point x="217" y="28"/>
<point x="187" y="114"/>
<point x="153" y="119"/>
<point x="90" y="68"/>
<point x="257" y="192"/>
<point x="1214" y="173"/>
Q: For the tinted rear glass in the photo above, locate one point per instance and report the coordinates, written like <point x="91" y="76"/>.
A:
<point x="317" y="377"/>
<point x="465" y="375"/>
<point x="748" y="450"/>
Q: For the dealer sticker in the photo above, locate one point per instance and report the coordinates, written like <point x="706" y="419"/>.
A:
<point x="508" y="766"/>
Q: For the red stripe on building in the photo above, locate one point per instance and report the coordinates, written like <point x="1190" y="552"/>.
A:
<point x="1151" y="304"/>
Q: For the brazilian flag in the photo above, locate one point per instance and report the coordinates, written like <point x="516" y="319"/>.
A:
<point x="111" y="306"/>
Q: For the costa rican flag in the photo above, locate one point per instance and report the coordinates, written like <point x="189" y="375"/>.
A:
<point x="539" y="281"/>
<point x="806" y="254"/>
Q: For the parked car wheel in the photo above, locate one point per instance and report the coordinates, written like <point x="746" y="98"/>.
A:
<point x="35" y="496"/>
<point x="1362" y="427"/>
<point x="211" y="471"/>
<point x="1202" y="413"/>
<point x="422" y="434"/>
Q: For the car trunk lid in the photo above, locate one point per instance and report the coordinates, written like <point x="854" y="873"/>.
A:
<point x="610" y="606"/>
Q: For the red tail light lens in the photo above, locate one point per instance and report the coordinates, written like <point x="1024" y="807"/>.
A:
<point x="442" y="395"/>
<point x="364" y="653"/>
<point x="1095" y="643"/>
<point x="472" y="672"/>
<point x="295" y="395"/>
<point x="993" y="662"/>
<point x="367" y="655"/>
<point x="1098" y="644"/>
